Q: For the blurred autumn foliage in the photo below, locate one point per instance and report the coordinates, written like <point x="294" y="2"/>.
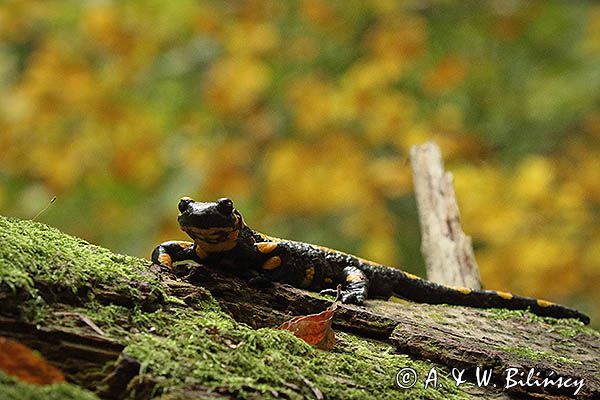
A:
<point x="303" y="112"/>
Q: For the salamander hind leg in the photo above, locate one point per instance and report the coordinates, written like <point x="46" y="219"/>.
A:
<point x="355" y="289"/>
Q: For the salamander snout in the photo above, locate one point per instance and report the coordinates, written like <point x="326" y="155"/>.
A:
<point x="225" y="206"/>
<point x="184" y="202"/>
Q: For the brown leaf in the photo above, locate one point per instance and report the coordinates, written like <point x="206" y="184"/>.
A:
<point x="315" y="329"/>
<point x="20" y="361"/>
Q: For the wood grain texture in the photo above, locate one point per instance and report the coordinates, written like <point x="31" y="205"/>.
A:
<point x="448" y="252"/>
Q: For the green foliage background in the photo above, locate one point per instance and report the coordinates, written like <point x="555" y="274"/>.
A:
<point x="304" y="112"/>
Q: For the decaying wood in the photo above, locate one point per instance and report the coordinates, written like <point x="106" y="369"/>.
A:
<point x="271" y="306"/>
<point x="455" y="337"/>
<point x="81" y="354"/>
<point x="467" y="338"/>
<point x="448" y="252"/>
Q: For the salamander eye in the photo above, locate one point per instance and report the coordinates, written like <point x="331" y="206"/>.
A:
<point x="225" y="205"/>
<point x="184" y="202"/>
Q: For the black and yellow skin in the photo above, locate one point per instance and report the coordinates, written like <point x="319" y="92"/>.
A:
<point x="221" y="239"/>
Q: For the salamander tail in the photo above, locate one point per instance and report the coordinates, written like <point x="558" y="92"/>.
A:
<point x="402" y="284"/>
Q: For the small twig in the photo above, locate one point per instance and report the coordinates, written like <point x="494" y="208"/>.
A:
<point x="338" y="296"/>
<point x="85" y="320"/>
<point x="44" y="209"/>
<point x="318" y="394"/>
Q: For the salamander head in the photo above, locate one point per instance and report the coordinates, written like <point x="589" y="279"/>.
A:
<point x="213" y="226"/>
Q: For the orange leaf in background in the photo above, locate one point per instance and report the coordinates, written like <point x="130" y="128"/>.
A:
<point x="315" y="329"/>
<point x="21" y="362"/>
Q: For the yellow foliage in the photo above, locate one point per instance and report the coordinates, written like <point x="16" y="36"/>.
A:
<point x="589" y="176"/>
<point x="449" y="118"/>
<point x="318" y="12"/>
<point x="380" y="248"/>
<point x="301" y="49"/>
<point x="590" y="268"/>
<point x="207" y="20"/>
<point x="542" y="255"/>
<point x="415" y="134"/>
<point x="448" y="74"/>
<point x="229" y="176"/>
<point x="592" y="124"/>
<point x="310" y="100"/>
<point x="402" y="37"/>
<point x="533" y="180"/>
<point x="234" y="85"/>
<point x="368" y="75"/>
<point x="388" y="116"/>
<point x="372" y="223"/>
<point x="391" y="176"/>
<point x="103" y="25"/>
<point x="310" y="109"/>
<point x="251" y="39"/>
<point x="592" y="40"/>
<point x="312" y="178"/>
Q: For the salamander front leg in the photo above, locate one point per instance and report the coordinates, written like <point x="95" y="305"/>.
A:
<point x="356" y="287"/>
<point x="165" y="254"/>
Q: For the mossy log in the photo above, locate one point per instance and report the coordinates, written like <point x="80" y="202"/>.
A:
<point x="119" y="328"/>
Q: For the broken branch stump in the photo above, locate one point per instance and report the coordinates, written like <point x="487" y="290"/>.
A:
<point x="448" y="252"/>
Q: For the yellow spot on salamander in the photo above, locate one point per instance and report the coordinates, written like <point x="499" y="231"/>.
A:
<point x="463" y="290"/>
<point x="505" y="295"/>
<point x="353" y="278"/>
<point x="200" y="252"/>
<point x="165" y="260"/>
<point x="185" y="245"/>
<point x="544" y="303"/>
<point x="411" y="276"/>
<point x="309" y="276"/>
<point x="328" y="280"/>
<point x="272" y="263"/>
<point x="266" y="247"/>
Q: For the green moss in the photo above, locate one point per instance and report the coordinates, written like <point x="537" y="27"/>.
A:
<point x="33" y="255"/>
<point x="211" y="350"/>
<point x="567" y="327"/>
<point x="437" y="317"/>
<point x="11" y="389"/>
<point x="183" y="347"/>
<point x="538" y="355"/>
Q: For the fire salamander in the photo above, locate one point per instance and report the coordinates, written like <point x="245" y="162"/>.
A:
<point x="221" y="239"/>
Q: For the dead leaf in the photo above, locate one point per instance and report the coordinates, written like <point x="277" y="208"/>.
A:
<point x="20" y="361"/>
<point x="315" y="329"/>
